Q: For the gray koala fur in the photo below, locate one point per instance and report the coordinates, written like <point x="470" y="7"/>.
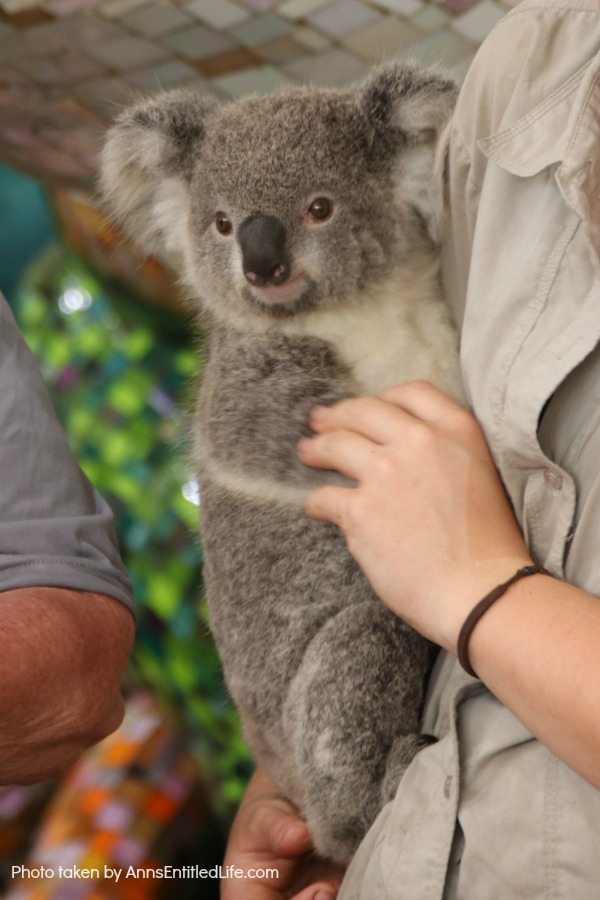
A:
<point x="328" y="682"/>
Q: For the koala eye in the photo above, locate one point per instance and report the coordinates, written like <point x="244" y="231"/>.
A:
<point x="223" y="224"/>
<point x="320" y="209"/>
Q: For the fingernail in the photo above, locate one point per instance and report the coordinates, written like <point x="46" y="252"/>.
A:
<point x="317" y="412"/>
<point x="324" y="895"/>
<point x="303" y="444"/>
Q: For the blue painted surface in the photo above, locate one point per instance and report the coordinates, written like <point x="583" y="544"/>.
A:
<point x="26" y="226"/>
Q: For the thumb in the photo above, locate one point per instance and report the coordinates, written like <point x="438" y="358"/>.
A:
<point x="283" y="831"/>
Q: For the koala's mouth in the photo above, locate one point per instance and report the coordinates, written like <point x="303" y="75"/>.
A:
<point x="280" y="293"/>
<point x="287" y="299"/>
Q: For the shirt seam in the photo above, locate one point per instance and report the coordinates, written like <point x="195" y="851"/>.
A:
<point x="499" y="139"/>
<point x="106" y="584"/>
<point x="548" y="7"/>
<point x="582" y="116"/>
<point x="459" y="140"/>
<point x="64" y="563"/>
<point x="534" y="309"/>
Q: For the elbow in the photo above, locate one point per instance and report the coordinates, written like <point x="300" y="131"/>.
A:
<point x="67" y="685"/>
<point x="37" y="758"/>
<point x="91" y="706"/>
<point x="100" y="710"/>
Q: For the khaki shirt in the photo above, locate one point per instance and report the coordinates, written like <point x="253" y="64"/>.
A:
<point x="487" y="812"/>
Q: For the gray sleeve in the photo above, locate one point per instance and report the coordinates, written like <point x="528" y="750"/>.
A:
<point x="55" y="529"/>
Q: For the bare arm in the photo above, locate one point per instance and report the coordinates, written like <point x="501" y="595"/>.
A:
<point x="537" y="651"/>
<point x="431" y="526"/>
<point x="62" y="655"/>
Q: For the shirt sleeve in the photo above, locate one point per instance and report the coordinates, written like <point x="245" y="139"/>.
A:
<point x="55" y="529"/>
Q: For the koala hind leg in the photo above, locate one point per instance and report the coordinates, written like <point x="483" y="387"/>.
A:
<point x="355" y="700"/>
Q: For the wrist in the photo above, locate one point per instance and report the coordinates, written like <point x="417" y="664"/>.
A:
<point x="485" y="604"/>
<point x="505" y="636"/>
<point x="468" y="588"/>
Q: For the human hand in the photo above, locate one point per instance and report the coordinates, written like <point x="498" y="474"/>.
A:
<point x="429" y="521"/>
<point x="268" y="833"/>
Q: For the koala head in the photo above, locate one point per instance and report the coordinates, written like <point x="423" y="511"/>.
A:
<point x="288" y="202"/>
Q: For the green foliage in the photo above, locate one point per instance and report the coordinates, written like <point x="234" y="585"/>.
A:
<point x="118" y="374"/>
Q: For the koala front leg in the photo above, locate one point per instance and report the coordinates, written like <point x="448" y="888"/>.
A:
<point x="353" y="706"/>
<point x="255" y="402"/>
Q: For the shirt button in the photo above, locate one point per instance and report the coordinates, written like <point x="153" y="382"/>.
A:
<point x="553" y="478"/>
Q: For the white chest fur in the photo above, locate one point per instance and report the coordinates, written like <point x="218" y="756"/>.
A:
<point x="401" y="332"/>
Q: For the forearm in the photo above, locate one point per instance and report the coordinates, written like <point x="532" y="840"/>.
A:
<point x="537" y="650"/>
<point x="431" y="526"/>
<point x="62" y="657"/>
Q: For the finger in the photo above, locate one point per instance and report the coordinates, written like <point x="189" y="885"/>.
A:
<point x="255" y="891"/>
<point x="279" y="830"/>
<point x="423" y="400"/>
<point x="328" y="504"/>
<point x="343" y="450"/>
<point x="248" y="891"/>
<point x="375" y="418"/>
<point x="291" y="838"/>
<point x="324" y="890"/>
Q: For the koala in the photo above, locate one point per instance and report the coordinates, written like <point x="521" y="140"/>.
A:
<point x="304" y="224"/>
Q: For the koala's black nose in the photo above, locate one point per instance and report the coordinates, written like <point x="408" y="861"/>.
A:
<point x="262" y="239"/>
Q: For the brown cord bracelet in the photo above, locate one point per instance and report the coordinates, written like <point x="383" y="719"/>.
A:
<point x="482" y="607"/>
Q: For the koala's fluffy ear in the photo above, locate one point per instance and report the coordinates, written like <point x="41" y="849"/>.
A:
<point x="408" y="108"/>
<point x="146" y="165"/>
